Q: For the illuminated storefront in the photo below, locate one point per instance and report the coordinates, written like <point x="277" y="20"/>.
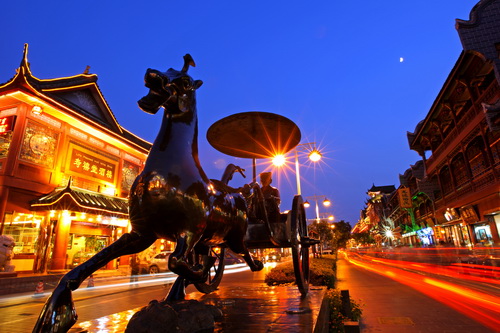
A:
<point x="66" y="167"/>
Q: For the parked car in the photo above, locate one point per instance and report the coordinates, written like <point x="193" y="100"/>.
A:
<point x="159" y="263"/>
<point x="230" y="258"/>
<point x="273" y="256"/>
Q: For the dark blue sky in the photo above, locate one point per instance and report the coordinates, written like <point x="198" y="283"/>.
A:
<point x="333" y="67"/>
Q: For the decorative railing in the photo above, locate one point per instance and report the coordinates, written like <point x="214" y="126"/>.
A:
<point x="484" y="180"/>
<point x="480" y="181"/>
<point x="469" y="116"/>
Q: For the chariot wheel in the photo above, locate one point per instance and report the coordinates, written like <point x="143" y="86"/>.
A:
<point x="216" y="269"/>
<point x="299" y="245"/>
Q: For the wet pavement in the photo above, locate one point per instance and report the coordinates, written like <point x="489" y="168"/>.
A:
<point x="266" y="309"/>
<point x="248" y="305"/>
<point x="255" y="309"/>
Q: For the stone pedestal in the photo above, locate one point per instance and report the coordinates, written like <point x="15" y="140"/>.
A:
<point x="181" y="316"/>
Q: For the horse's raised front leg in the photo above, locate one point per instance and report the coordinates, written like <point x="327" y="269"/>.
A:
<point x="58" y="313"/>
<point x="254" y="264"/>
<point x="237" y="245"/>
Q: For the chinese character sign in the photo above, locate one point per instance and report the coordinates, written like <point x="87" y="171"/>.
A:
<point x="91" y="166"/>
<point x="404" y="197"/>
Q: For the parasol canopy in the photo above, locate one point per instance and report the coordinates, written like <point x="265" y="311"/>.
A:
<point x="254" y="134"/>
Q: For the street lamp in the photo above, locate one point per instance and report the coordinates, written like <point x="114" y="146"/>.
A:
<point x="326" y="203"/>
<point x="313" y="154"/>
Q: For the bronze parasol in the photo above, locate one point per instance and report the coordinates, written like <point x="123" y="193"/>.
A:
<point x="254" y="134"/>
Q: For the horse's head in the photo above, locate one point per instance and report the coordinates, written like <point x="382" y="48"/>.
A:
<point x="173" y="89"/>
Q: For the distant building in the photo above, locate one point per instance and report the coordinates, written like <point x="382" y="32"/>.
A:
<point x="459" y="139"/>
<point x="453" y="194"/>
<point x="66" y="167"/>
<point x="374" y="216"/>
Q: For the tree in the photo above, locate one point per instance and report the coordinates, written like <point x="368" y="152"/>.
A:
<point x="342" y="233"/>
<point x="363" y="238"/>
<point x="322" y="230"/>
<point x="332" y="235"/>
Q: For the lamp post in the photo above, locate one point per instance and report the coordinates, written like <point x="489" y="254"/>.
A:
<point x="319" y="228"/>
<point x="316" y="198"/>
<point x="313" y="154"/>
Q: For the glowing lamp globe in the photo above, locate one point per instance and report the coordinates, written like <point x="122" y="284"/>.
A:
<point x="315" y="155"/>
<point x="279" y="160"/>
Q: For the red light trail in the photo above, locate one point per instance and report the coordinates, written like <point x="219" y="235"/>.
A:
<point x="480" y="306"/>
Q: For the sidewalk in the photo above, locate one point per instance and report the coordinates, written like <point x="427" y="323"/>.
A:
<point x="389" y="306"/>
<point x="26" y="282"/>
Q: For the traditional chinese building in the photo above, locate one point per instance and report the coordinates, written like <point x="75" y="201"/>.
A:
<point x="459" y="139"/>
<point x="375" y="215"/>
<point x="66" y="167"/>
<point x="412" y="209"/>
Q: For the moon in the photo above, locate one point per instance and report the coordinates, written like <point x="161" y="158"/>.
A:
<point x="401" y="59"/>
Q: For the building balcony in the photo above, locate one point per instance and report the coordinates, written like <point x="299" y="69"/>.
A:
<point x="473" y="116"/>
<point x="472" y="186"/>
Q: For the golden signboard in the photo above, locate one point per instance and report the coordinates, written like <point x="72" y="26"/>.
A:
<point x="404" y="197"/>
<point x="90" y="164"/>
<point x="469" y="214"/>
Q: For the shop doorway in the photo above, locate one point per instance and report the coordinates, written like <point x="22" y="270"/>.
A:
<point x="83" y="247"/>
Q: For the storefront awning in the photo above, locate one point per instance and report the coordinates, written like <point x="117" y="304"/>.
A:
<point x="76" y="199"/>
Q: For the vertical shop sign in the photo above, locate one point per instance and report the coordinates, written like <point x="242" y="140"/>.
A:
<point x="6" y="128"/>
<point x="404" y="197"/>
<point x="7" y="124"/>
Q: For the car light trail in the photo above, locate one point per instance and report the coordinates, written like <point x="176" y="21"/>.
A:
<point x="476" y="273"/>
<point x="160" y="278"/>
<point x="477" y="305"/>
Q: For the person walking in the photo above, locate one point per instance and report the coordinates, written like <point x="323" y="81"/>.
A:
<point x="134" y="269"/>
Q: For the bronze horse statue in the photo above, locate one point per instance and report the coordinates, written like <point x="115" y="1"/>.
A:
<point x="171" y="199"/>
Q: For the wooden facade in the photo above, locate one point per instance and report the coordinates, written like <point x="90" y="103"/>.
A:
<point x="455" y="188"/>
<point x="66" y="167"/>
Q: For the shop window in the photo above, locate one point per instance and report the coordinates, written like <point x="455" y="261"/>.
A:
<point x="476" y="155"/>
<point x="483" y="234"/>
<point x="459" y="170"/>
<point x="39" y="145"/>
<point x="83" y="247"/>
<point x="24" y="229"/>
<point x="445" y="180"/>
<point x="5" y="140"/>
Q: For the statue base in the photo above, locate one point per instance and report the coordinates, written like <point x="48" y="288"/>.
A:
<point x="186" y="316"/>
